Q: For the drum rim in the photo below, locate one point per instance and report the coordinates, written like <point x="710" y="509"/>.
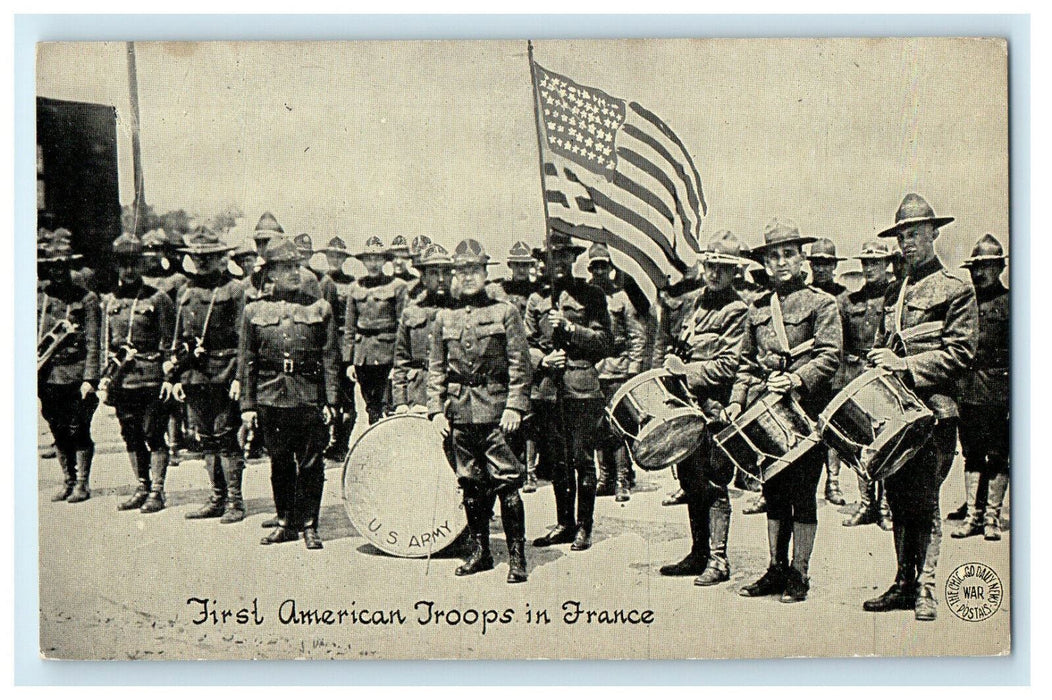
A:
<point x="678" y="413"/>
<point x="642" y="377"/>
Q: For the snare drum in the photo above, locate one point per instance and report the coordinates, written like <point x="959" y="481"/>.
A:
<point x="399" y="490"/>
<point x="768" y="436"/>
<point x="658" y="419"/>
<point x="876" y="424"/>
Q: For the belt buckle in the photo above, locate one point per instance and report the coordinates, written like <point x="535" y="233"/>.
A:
<point x="287" y="365"/>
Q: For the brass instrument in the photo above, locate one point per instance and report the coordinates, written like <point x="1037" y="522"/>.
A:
<point x="50" y="343"/>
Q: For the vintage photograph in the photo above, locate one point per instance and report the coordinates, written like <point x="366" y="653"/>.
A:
<point x="575" y="349"/>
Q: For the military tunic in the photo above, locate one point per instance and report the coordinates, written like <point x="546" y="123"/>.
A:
<point x="169" y="284"/>
<point x="412" y="351"/>
<point x="861" y="314"/>
<point x="374" y="306"/>
<point x="336" y="289"/>
<point x="515" y="291"/>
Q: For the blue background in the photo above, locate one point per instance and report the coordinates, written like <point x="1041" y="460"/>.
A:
<point x="31" y="670"/>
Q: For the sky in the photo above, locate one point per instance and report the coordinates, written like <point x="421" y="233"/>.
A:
<point x="384" y="138"/>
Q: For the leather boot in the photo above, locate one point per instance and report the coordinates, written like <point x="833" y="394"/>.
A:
<point x="69" y="476"/>
<point x="797" y="583"/>
<point x="903" y="592"/>
<point x="623" y="489"/>
<point x="531" y="467"/>
<point x="585" y="510"/>
<point x="959" y="513"/>
<point x="694" y="563"/>
<point x="513" y="516"/>
<point x="973" y="524"/>
<point x="926" y="607"/>
<point x="833" y="494"/>
<point x="480" y="558"/>
<point x="216" y="503"/>
<point x="676" y="498"/>
<point x="282" y="532"/>
<point x="774" y="579"/>
<point x="80" y="491"/>
<point x="623" y="492"/>
<point x="992" y="525"/>
<point x="142" y="475"/>
<point x="756" y="505"/>
<point x="270" y="522"/>
<point x="563" y="533"/>
<point x="884" y="518"/>
<point x="158" y="471"/>
<point x="866" y="512"/>
<point x="310" y="534"/>
<point x="233" y="468"/>
<point x="717" y="569"/>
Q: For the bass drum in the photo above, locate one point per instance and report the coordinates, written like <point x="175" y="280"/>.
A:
<point x="399" y="489"/>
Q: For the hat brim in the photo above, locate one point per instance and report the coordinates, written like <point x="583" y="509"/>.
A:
<point x="725" y="259"/>
<point x="937" y="221"/>
<point x="826" y="258"/>
<point x="210" y="250"/>
<point x="973" y="261"/>
<point x="469" y="263"/>
<point x="759" y="250"/>
<point x="385" y="255"/>
<point x="522" y="259"/>
<point x="876" y="256"/>
<point x="335" y="251"/>
<point x="60" y="258"/>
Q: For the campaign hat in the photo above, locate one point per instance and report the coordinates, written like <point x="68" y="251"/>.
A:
<point x="913" y="210"/>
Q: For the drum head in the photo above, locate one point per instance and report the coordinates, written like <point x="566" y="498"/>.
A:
<point x="399" y="490"/>
<point x="672" y="440"/>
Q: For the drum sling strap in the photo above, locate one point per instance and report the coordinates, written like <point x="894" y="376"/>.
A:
<point x="921" y="330"/>
<point x="778" y="322"/>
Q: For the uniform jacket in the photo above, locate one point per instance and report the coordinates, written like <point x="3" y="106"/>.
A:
<point x="516" y="292"/>
<point x="831" y="287"/>
<point x="479" y="362"/>
<point x="807" y="313"/>
<point x="985" y="381"/>
<point x="710" y="336"/>
<point x="412" y="352"/>
<point x="628" y="332"/>
<point x="150" y="314"/>
<point x="217" y="362"/>
<point x="335" y="289"/>
<point x="590" y="341"/>
<point x="673" y="309"/>
<point x="374" y="305"/>
<point x="77" y="360"/>
<point x="861" y="314"/>
<point x="169" y="284"/>
<point x="287" y="357"/>
<point x="941" y="311"/>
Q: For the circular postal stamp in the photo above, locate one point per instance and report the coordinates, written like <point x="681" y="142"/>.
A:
<point x="974" y="592"/>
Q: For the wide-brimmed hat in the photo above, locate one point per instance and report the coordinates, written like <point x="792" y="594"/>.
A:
<point x="55" y="246"/>
<point x="824" y="250"/>
<point x="155" y="242"/>
<point x="398" y="245"/>
<point x="284" y="250"/>
<point x="337" y="247"/>
<point x="520" y="253"/>
<point x="913" y="210"/>
<point x="987" y="249"/>
<point x="724" y="248"/>
<point x="779" y="231"/>
<point x="419" y="245"/>
<point x="127" y="245"/>
<point x="875" y="250"/>
<point x="268" y="227"/>
<point x="433" y="256"/>
<point x="304" y="242"/>
<point x="204" y="241"/>
<point x="245" y="246"/>
<point x="373" y="246"/>
<point x="470" y="252"/>
<point x="598" y="252"/>
<point x="558" y="240"/>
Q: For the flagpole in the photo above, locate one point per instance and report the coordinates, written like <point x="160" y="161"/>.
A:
<point x="139" y="205"/>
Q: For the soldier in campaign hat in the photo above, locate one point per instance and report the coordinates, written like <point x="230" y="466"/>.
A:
<point x="374" y="304"/>
<point x="568" y="330"/>
<point x="477" y="394"/>
<point x="162" y="266"/>
<point x="419" y="244"/>
<point x="244" y="255"/>
<point x="288" y="363"/>
<point x="203" y="370"/>
<point x="336" y="287"/>
<point x="984" y="390"/>
<point x="401" y="257"/>
<point x="268" y="230"/>
<point x="861" y="314"/>
<point x="67" y="379"/>
<point x="927" y="335"/>
<point x="137" y="328"/>
<point x="792" y="344"/>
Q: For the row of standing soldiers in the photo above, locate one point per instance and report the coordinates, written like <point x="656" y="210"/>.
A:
<point x="416" y="347"/>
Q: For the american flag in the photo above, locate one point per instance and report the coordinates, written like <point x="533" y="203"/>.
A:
<point x="615" y="173"/>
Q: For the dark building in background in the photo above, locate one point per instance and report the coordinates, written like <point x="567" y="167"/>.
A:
<point x="77" y="184"/>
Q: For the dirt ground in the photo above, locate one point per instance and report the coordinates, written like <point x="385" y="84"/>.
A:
<point x="116" y="585"/>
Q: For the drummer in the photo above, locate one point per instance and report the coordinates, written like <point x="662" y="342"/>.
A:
<point x="412" y="341"/>
<point x="709" y="348"/>
<point x="792" y="344"/>
<point x="479" y="389"/>
<point x="928" y="336"/>
<point x="861" y="313"/>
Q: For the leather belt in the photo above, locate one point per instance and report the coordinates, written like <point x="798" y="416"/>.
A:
<point x="474" y="380"/>
<point x="374" y="331"/>
<point x="290" y="366"/>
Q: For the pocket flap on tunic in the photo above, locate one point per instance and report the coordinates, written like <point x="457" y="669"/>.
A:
<point x="311" y="314"/>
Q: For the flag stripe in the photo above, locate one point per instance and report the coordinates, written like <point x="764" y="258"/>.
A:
<point x="658" y="174"/>
<point x="556" y="197"/>
<point x="671" y="135"/>
<point x="649" y="140"/>
<point x="597" y="235"/>
<point x="642" y="193"/>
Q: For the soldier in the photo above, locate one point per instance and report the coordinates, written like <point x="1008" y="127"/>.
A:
<point x="793" y="343"/>
<point x="749" y="288"/>
<point x="401" y="257"/>
<point x="478" y="390"/>
<point x="203" y="370"/>
<point x="66" y="381"/>
<point x="267" y="230"/>
<point x="374" y="304"/>
<point x="861" y="313"/>
<point x="674" y="303"/>
<point x="823" y="261"/>
<point x="336" y="288"/>
<point x="709" y="336"/>
<point x="629" y="344"/>
<point x="244" y="257"/>
<point x="137" y="329"/>
<point x="568" y="329"/>
<point x="984" y="390"/>
<point x="305" y="245"/>
<point x="288" y="363"/>
<point x="416" y="249"/>
<point x="412" y="345"/>
<point x="161" y="268"/>
<point x="928" y="336"/>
